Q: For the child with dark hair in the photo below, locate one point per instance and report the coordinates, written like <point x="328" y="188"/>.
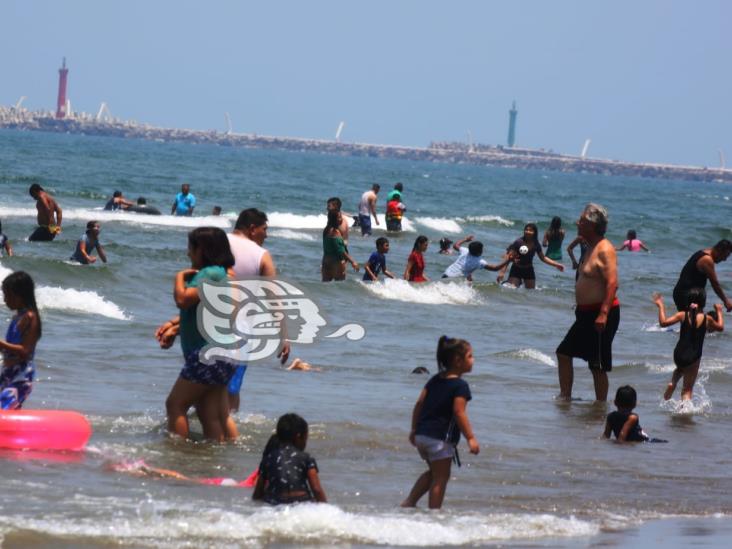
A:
<point x="632" y="243"/>
<point x="287" y="473"/>
<point x="200" y="384"/>
<point x="414" y="271"/>
<point x="523" y="250"/>
<point x="471" y="259"/>
<point x="89" y="242"/>
<point x="19" y="345"/>
<point x="438" y="418"/>
<point x="694" y="326"/>
<point x="5" y="243"/>
<point x="445" y="246"/>
<point x="623" y="423"/>
<point x="377" y="261"/>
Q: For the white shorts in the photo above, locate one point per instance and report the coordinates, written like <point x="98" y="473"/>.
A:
<point x="432" y="449"/>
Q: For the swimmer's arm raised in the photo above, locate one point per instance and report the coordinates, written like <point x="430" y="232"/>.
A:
<point x="663" y="321"/>
<point x="461" y="418"/>
<point x="315" y="485"/>
<point x="456" y="245"/>
<point x="185" y="297"/>
<point x="631" y="422"/>
<point x="415" y="415"/>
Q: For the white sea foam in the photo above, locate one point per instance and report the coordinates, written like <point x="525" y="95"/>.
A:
<point x="429" y="293"/>
<point x="289" y="234"/>
<point x="489" y="219"/>
<point x="68" y="299"/>
<point x="289" y="220"/>
<point x="151" y="520"/>
<point x="439" y="224"/>
<point x="699" y="404"/>
<point x="658" y="328"/>
<point x="103" y="216"/>
<point x="535" y="356"/>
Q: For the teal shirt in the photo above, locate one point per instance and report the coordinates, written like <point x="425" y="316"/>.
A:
<point x="190" y="338"/>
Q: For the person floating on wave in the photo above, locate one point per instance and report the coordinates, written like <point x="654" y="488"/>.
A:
<point x="700" y="268"/>
<point x="335" y="252"/>
<point x="88" y="242"/>
<point x="553" y="238"/>
<point x="694" y="326"/>
<point x="367" y="208"/>
<point x="49" y="215"/>
<point x="438" y="418"/>
<point x="199" y="384"/>
<point x="287" y="473"/>
<point x="523" y="250"/>
<point x="118" y="202"/>
<point x="597" y="312"/>
<point x="445" y="246"/>
<point x="19" y="346"/>
<point x="632" y="244"/>
<point x="5" y="246"/>
<point x="623" y="423"/>
<point x="184" y="201"/>
<point x="377" y="261"/>
<point x="414" y="271"/>
<point x="471" y="259"/>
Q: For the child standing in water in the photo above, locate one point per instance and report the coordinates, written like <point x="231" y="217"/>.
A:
<point x="287" y="473"/>
<point x="694" y="326"/>
<point x="439" y="417"/>
<point x="19" y="346"/>
<point x="377" y="261"/>
<point x="632" y="243"/>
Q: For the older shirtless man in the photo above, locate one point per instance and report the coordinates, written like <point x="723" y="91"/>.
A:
<point x="598" y="310"/>
<point x="49" y="215"/>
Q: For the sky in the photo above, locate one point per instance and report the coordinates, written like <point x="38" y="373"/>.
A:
<point x="645" y="81"/>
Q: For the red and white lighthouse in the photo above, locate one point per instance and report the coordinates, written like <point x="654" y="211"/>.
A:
<point x="61" y="102"/>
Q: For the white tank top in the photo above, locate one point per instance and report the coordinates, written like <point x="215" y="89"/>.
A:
<point x="363" y="206"/>
<point x="247" y="256"/>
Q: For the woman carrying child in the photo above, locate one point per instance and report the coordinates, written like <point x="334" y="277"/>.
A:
<point x="19" y="345"/>
<point x="694" y="326"/>
<point x="200" y="384"/>
<point x="438" y="418"/>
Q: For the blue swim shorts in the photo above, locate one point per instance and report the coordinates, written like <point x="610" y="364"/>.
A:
<point x="236" y="380"/>
<point x="16" y="383"/>
<point x="218" y="373"/>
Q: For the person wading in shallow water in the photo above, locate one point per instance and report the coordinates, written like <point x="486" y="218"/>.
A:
<point x="49" y="215"/>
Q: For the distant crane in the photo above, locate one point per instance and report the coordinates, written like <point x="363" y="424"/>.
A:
<point x="20" y="102"/>
<point x="721" y="159"/>
<point x="228" y="123"/>
<point x="103" y="112"/>
<point x="586" y="146"/>
<point x="339" y="130"/>
<point x="470" y="141"/>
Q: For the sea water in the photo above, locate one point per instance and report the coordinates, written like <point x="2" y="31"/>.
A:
<point x="543" y="475"/>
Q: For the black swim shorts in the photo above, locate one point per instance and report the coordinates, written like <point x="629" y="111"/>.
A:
<point x="583" y="341"/>
<point x="522" y="272"/>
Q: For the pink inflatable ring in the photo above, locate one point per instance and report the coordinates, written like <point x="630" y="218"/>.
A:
<point x="43" y="430"/>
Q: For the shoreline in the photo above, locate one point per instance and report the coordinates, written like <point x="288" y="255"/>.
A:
<point x="444" y="152"/>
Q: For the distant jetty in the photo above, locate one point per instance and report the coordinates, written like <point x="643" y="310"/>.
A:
<point x="448" y="152"/>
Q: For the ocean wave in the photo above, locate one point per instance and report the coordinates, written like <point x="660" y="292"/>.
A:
<point x="532" y="355"/>
<point x="289" y="220"/>
<point x="103" y="216"/>
<point x="430" y="293"/>
<point x="147" y="520"/>
<point x="699" y="404"/>
<point x="289" y="234"/>
<point x="490" y="219"/>
<point x="658" y="328"/>
<point x="439" y="224"/>
<point x="68" y="299"/>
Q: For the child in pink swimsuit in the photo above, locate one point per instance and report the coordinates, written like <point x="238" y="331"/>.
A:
<point x="632" y="244"/>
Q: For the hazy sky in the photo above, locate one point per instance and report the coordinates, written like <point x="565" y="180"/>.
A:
<point x="645" y="80"/>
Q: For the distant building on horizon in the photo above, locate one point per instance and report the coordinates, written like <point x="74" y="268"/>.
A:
<point x="61" y="105"/>
<point x="512" y="125"/>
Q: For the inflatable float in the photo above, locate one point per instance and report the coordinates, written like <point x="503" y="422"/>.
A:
<point x="43" y="430"/>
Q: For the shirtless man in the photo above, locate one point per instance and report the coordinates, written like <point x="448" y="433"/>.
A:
<point x="49" y="215"/>
<point x="598" y="310"/>
<point x="335" y="204"/>
<point x="700" y="268"/>
<point x="367" y="208"/>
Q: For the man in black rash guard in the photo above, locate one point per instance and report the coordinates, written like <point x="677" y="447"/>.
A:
<point x="700" y="268"/>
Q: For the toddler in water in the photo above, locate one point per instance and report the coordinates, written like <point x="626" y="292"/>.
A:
<point x="623" y="423"/>
<point x="288" y="474"/>
<point x="19" y="345"/>
<point x="632" y="244"/>
<point x="439" y="417"/>
<point x="694" y="326"/>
